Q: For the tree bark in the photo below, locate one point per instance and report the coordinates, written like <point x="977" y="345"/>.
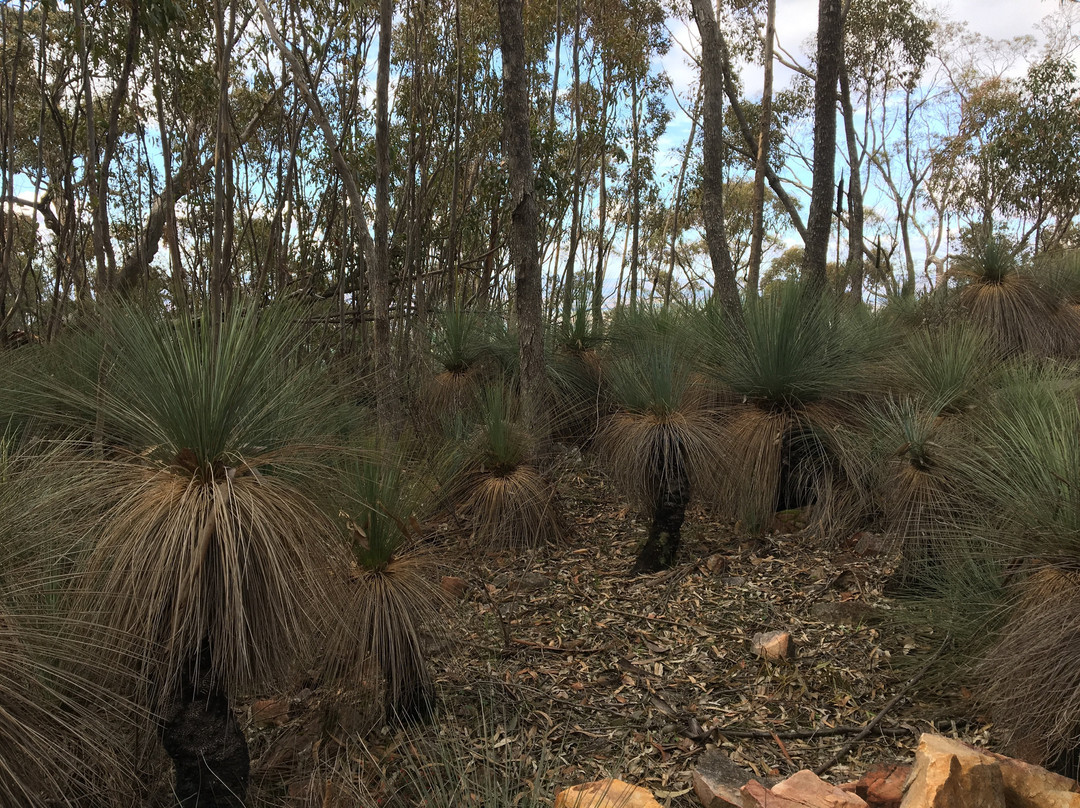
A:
<point x="713" y="61"/>
<point x="855" y="265"/>
<point x="380" y="269"/>
<point x="524" y="216"/>
<point x="830" y="45"/>
<point x="757" y="234"/>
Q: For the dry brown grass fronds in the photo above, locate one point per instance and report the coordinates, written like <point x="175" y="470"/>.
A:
<point x="753" y="448"/>
<point x="449" y="393"/>
<point x="640" y="448"/>
<point x="507" y="509"/>
<point x="377" y="631"/>
<point x="1020" y="316"/>
<point x="1031" y="677"/>
<point x="234" y="561"/>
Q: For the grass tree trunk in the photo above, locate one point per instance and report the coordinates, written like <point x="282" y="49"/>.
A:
<point x="524" y="219"/>
<point x="202" y="736"/>
<point x="669" y="512"/>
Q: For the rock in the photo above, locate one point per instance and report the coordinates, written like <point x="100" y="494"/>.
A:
<point x="716" y="564"/>
<point x="453" y="587"/>
<point x="790" y="521"/>
<point x="774" y="646"/>
<point x="949" y="774"/>
<point x="883" y="785"/>
<point x="803" y="789"/>
<point x="806" y="788"/>
<point x="1031" y="786"/>
<point x="718" y="779"/>
<point x="269" y="713"/>
<point x="605" y="794"/>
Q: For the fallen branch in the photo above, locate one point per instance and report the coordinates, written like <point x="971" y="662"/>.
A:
<point x="824" y="767"/>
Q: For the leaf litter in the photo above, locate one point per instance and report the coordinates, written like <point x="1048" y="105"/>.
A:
<point x="635" y="677"/>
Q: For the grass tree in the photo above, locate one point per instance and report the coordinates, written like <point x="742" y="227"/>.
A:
<point x="789" y="371"/>
<point x="1025" y="465"/>
<point x="461" y="345"/>
<point x="915" y="438"/>
<point x="61" y="728"/>
<point x="574" y="367"/>
<point x="389" y="596"/>
<point x="1022" y="309"/>
<point x="492" y="481"/>
<point x="207" y="551"/>
<point x="660" y="444"/>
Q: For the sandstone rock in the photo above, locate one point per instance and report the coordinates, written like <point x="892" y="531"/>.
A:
<point x="883" y="785"/>
<point x="949" y="774"/>
<point x="774" y="646"/>
<point x="1031" y="786"/>
<point x="806" y="788"/>
<point x="717" y="780"/>
<point x="802" y="790"/>
<point x="454" y="587"/>
<point x="605" y="794"/>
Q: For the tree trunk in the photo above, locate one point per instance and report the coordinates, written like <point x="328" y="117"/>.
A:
<point x="712" y="170"/>
<point x="757" y="234"/>
<point x="524" y="225"/>
<point x="855" y="263"/>
<point x="204" y="740"/>
<point x="380" y="271"/>
<point x="830" y="45"/>
<point x="672" y="496"/>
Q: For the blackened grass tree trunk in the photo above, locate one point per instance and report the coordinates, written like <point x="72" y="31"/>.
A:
<point x="524" y="221"/>
<point x="713" y="61"/>
<point x="830" y="44"/>
<point x="202" y="736"/>
<point x="671" y="483"/>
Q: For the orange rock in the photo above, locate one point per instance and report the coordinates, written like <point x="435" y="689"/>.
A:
<point x="806" y="788"/>
<point x="883" y="785"/>
<point x="949" y="774"/>
<point x="774" y="646"/>
<point x="605" y="794"/>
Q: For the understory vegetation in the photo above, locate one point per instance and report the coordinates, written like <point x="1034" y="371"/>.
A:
<point x="200" y="516"/>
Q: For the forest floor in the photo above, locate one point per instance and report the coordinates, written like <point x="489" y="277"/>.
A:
<point x="559" y="659"/>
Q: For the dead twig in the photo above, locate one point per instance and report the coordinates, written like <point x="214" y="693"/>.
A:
<point x="824" y="767"/>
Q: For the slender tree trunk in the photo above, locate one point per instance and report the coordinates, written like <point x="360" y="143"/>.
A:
<point x="830" y="45"/>
<point x="635" y="191"/>
<point x="222" y="166"/>
<point x="524" y="219"/>
<point x="757" y="233"/>
<point x="576" y="203"/>
<point x="601" y="238"/>
<point x="380" y="270"/>
<point x="679" y="194"/>
<point x="712" y="82"/>
<point x="855" y="262"/>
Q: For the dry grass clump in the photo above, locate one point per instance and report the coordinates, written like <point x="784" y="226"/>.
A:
<point x="1031" y="679"/>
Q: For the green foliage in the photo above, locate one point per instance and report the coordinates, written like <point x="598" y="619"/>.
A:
<point x="792" y="349"/>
